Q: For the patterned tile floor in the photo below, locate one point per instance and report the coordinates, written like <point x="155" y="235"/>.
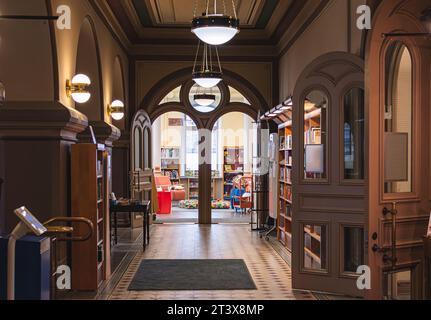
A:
<point x="270" y="272"/>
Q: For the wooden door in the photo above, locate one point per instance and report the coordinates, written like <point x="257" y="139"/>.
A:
<point x="398" y="118"/>
<point x="329" y="212"/>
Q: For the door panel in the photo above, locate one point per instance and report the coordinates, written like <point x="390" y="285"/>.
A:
<point x="328" y="196"/>
<point x="398" y="163"/>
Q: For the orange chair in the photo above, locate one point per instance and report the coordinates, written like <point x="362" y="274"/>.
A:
<point x="164" y="183"/>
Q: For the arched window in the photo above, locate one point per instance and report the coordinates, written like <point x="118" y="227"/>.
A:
<point x="315" y="109"/>
<point x="236" y="96"/>
<point x="354" y="132"/>
<point x="398" y="120"/>
<point x="173" y="96"/>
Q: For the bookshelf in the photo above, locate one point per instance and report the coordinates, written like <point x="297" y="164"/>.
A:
<point x="314" y="251"/>
<point x="233" y="165"/>
<point x="284" y="219"/>
<point x="170" y="163"/>
<point x="90" y="259"/>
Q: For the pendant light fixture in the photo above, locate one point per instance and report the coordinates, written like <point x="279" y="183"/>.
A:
<point x="215" y="28"/>
<point x="207" y="75"/>
<point x="204" y="98"/>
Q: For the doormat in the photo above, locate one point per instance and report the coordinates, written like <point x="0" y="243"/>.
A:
<point x="192" y="275"/>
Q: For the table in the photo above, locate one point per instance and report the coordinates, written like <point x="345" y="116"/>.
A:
<point x="139" y="207"/>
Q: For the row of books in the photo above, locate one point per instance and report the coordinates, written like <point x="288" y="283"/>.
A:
<point x="286" y="142"/>
<point x="170" y="153"/>
<point x="313" y="136"/>
<point x="172" y="174"/>
<point x="286" y="174"/>
<point x="286" y="192"/>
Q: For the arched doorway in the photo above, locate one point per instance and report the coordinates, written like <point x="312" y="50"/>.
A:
<point x="156" y="104"/>
<point x="176" y="166"/>
<point x="232" y="144"/>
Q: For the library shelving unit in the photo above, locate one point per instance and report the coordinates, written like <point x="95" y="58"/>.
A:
<point x="233" y="166"/>
<point x="90" y="259"/>
<point x="284" y="219"/>
<point x="170" y="160"/>
<point x="314" y="255"/>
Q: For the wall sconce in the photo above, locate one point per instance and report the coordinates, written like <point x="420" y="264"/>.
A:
<point x="77" y="89"/>
<point x="116" y="110"/>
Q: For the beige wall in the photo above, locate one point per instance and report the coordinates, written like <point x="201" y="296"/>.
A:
<point x="26" y="67"/>
<point x="149" y="73"/>
<point x="67" y="46"/>
<point x="26" y="61"/>
<point x="329" y="32"/>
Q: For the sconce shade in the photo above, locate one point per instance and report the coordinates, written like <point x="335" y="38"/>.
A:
<point x="117" y="110"/>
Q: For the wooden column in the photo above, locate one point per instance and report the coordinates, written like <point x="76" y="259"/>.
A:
<point x="205" y="177"/>
<point x="35" y="140"/>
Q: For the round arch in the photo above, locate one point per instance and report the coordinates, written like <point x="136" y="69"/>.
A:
<point x="182" y="78"/>
<point x="88" y="63"/>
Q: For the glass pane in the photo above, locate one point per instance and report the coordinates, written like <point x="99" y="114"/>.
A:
<point x="315" y="136"/>
<point x="353" y="248"/>
<point x="173" y="96"/>
<point x="398" y="121"/>
<point x="137" y="146"/>
<point x="236" y="96"/>
<point x="205" y="100"/>
<point x="354" y="134"/>
<point x="146" y="149"/>
<point x="398" y="285"/>
<point x="315" y="247"/>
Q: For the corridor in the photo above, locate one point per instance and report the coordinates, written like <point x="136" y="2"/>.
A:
<point x="269" y="271"/>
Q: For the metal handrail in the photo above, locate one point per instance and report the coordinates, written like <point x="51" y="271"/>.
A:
<point x="69" y="230"/>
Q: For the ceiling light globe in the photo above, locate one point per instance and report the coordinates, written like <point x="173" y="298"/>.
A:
<point x="207" y="82"/>
<point x="215" y="29"/>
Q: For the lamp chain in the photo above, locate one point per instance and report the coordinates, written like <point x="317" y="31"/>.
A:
<point x="234" y="9"/>
<point x="195" y="9"/>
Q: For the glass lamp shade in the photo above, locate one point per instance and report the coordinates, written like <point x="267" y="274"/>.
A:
<point x="117" y="110"/>
<point x="81" y="79"/>
<point x="207" y="79"/>
<point x="215" y="29"/>
<point x="81" y="97"/>
<point x="204" y="100"/>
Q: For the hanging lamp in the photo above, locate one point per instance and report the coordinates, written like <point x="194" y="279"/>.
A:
<point x="207" y="75"/>
<point x="215" y="28"/>
<point x="203" y="98"/>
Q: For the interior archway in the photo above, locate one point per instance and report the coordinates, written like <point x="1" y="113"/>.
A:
<point x="88" y="63"/>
